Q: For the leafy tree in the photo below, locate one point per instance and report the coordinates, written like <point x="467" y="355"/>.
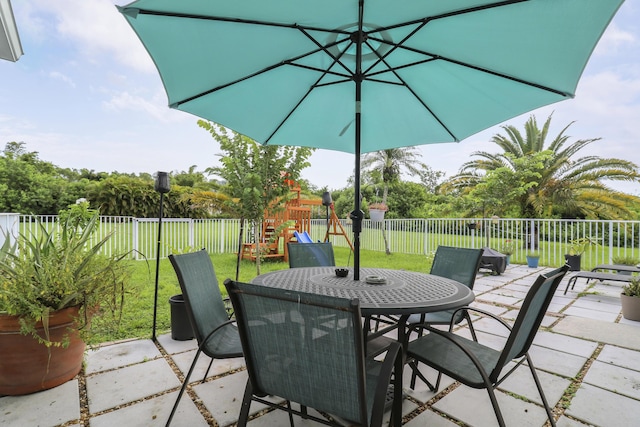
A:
<point x="29" y="185"/>
<point x="255" y="174"/>
<point x="386" y="166"/>
<point x="567" y="186"/>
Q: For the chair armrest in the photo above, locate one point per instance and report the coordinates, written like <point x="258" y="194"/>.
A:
<point x="216" y="329"/>
<point x="415" y="326"/>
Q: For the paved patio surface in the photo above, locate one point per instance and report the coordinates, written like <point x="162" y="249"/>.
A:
<point x="587" y="357"/>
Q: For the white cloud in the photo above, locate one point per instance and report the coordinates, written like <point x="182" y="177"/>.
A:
<point x="59" y="76"/>
<point x="94" y="26"/>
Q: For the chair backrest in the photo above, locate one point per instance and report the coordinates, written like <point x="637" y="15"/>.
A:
<point x="459" y="264"/>
<point x="303" y="347"/>
<point x="200" y="290"/>
<point x="529" y="318"/>
<point x="310" y="254"/>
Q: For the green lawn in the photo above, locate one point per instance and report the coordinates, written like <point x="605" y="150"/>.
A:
<point x="137" y="318"/>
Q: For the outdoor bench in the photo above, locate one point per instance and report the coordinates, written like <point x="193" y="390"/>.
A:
<point x="599" y="276"/>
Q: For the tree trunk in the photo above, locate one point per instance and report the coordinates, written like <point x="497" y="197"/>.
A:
<point x="240" y="242"/>
<point x="387" y="250"/>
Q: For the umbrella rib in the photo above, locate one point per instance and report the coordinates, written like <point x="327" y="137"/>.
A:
<point x="138" y="11"/>
<point x="424" y="21"/>
<point x="435" y="56"/>
<point x="324" y="73"/>
<point x="257" y="73"/>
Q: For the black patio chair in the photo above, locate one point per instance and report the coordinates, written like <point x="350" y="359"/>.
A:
<point x="292" y="352"/>
<point x="216" y="334"/>
<point x="479" y="366"/>
<point x="310" y="254"/>
<point x="461" y="265"/>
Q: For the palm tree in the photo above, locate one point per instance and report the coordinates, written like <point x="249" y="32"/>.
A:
<point x="387" y="165"/>
<point x="563" y="184"/>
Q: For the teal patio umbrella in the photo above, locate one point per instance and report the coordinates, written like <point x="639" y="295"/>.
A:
<point x="365" y="75"/>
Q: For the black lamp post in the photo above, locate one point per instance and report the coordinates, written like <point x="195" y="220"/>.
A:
<point x="162" y="186"/>
<point x="326" y="201"/>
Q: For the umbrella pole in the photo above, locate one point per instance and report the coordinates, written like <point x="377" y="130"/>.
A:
<point x="357" y="215"/>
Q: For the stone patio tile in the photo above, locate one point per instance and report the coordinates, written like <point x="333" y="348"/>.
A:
<point x="590" y="314"/>
<point x="120" y="355"/>
<point x="565" y="364"/>
<point x="620" y="357"/>
<point x="565" y="343"/>
<point x="473" y="407"/>
<point x="518" y="286"/>
<point x="497" y="297"/>
<point x="44" y="409"/>
<point x="520" y="295"/>
<point x="278" y="418"/>
<point x="614" y="378"/>
<point x="591" y="304"/>
<point x="494" y="309"/>
<point x="113" y="388"/>
<point x="596" y="330"/>
<point x="624" y="321"/>
<point x="172" y="346"/>
<point x="565" y="421"/>
<point x="431" y="419"/>
<point x="604" y="299"/>
<point x="481" y="288"/>
<point x="603" y="408"/>
<point x="556" y="307"/>
<point x="219" y="367"/>
<point x="521" y="382"/>
<point x="153" y="412"/>
<point x="223" y="397"/>
<point x="611" y="289"/>
<point x="491" y="326"/>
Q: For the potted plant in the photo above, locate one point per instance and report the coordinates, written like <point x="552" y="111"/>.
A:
<point x="377" y="210"/>
<point x="625" y="260"/>
<point x="533" y="257"/>
<point x="508" y="248"/>
<point x="53" y="282"/>
<point x="630" y="300"/>
<point x="576" y="248"/>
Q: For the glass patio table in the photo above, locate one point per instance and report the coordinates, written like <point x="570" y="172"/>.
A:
<point x="402" y="293"/>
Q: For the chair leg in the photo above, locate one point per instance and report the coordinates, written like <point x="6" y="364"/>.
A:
<point x="246" y="405"/>
<point x="208" y="369"/>
<point x="542" y="396"/>
<point x="415" y="372"/>
<point x="496" y="408"/>
<point x="184" y="386"/>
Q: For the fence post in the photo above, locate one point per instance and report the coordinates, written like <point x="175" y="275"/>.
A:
<point x="136" y="252"/>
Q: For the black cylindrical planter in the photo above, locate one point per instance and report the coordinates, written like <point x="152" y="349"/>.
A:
<point x="573" y="261"/>
<point x="180" y="326"/>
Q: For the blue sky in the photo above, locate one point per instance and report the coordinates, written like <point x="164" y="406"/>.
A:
<point x="86" y="95"/>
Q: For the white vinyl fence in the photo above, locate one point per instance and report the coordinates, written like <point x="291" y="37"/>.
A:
<point x="551" y="238"/>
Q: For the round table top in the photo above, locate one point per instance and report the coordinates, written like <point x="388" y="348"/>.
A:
<point x="403" y="292"/>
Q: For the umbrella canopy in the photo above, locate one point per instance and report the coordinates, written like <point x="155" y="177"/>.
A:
<point x="366" y="75"/>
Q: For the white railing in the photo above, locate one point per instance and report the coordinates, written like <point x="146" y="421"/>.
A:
<point x="412" y="236"/>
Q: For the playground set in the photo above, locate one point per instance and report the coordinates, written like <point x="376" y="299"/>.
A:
<point x="291" y="224"/>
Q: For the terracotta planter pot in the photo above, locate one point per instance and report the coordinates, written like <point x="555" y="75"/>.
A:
<point x="25" y="366"/>
<point x="630" y="307"/>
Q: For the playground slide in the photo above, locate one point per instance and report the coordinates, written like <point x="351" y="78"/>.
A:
<point x="303" y="237"/>
<point x="318" y="254"/>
